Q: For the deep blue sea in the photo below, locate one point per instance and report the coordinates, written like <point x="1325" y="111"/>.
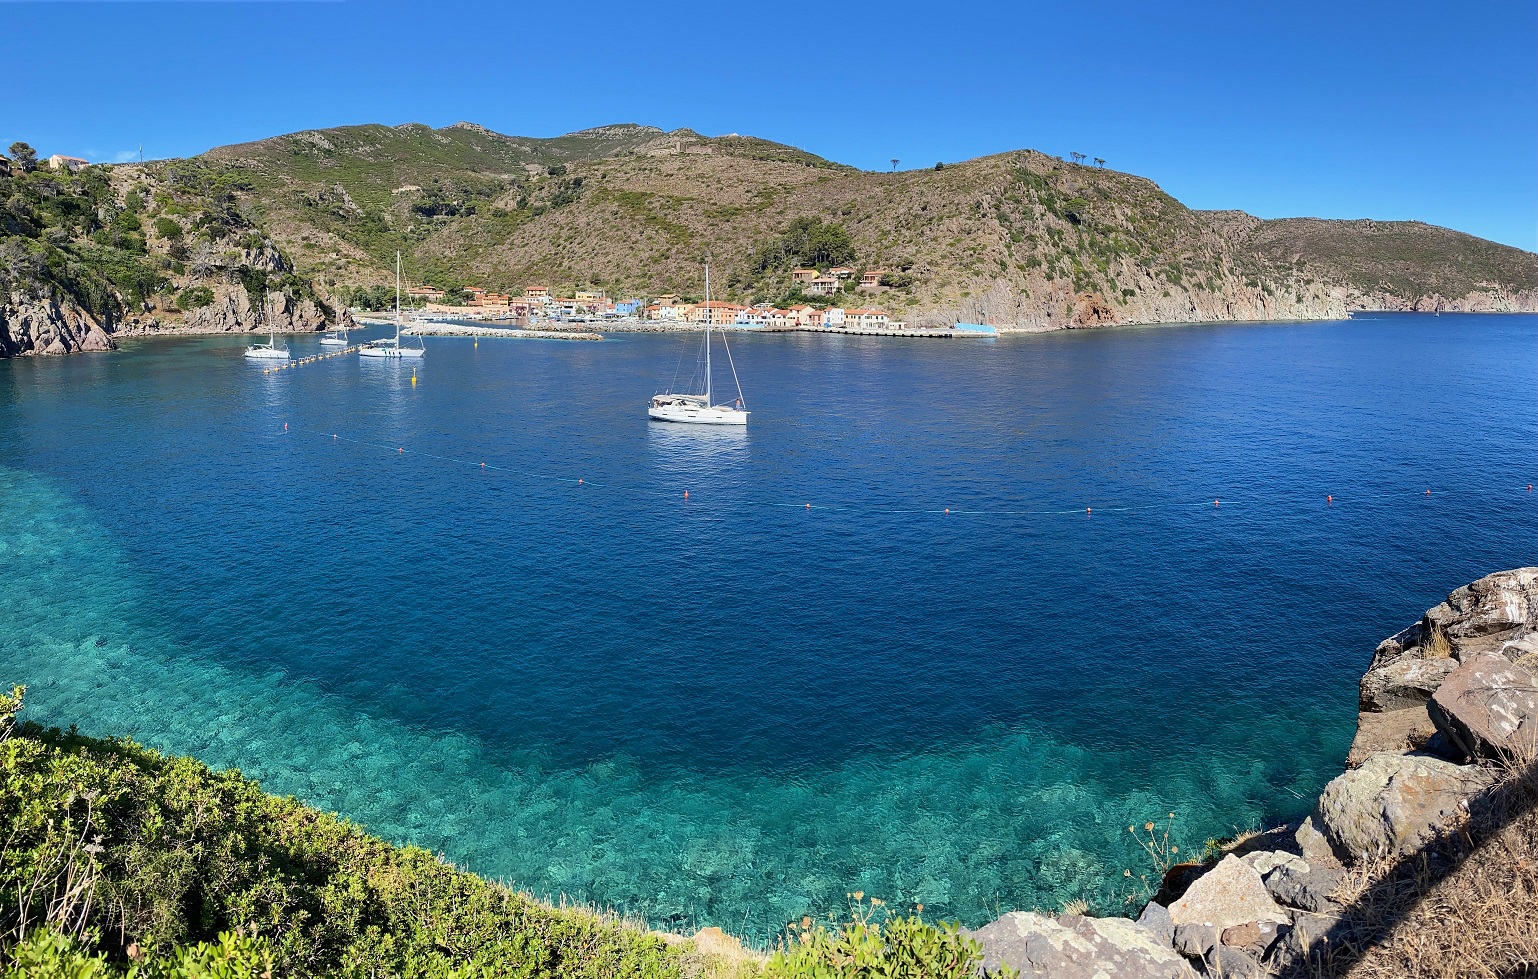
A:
<point x="729" y="708"/>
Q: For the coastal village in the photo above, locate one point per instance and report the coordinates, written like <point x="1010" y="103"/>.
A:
<point x="539" y="303"/>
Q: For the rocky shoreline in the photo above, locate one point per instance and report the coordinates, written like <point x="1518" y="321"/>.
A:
<point x="1446" y="705"/>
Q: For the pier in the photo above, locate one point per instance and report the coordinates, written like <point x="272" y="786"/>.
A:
<point x="504" y="333"/>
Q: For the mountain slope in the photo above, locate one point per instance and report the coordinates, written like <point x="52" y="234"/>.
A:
<point x="1020" y="239"/>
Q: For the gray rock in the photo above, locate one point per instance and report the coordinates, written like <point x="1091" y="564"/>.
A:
<point x="1488" y="707"/>
<point x="1404" y="683"/>
<point x="1314" y="845"/>
<point x="1075" y="947"/>
<point x="1307" y="931"/>
<point x="1306" y="887"/>
<point x="1485" y="615"/>
<point x="1196" y="940"/>
<point x="1156" y="918"/>
<point x="1231" y="963"/>
<point x="1229" y="894"/>
<point x="1395" y="803"/>
<point x="1265" y="861"/>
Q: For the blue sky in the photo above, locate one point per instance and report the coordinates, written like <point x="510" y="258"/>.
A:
<point x="1345" y="109"/>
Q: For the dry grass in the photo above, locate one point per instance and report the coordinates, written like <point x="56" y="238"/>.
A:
<point x="1438" y="646"/>
<point x="1467" y="907"/>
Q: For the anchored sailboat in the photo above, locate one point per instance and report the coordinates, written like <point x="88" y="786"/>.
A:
<point x="269" y="350"/>
<point x="338" y="336"/>
<point x="696" y="409"/>
<point x="391" y="346"/>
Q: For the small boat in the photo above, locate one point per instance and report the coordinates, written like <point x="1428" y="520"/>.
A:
<point x="696" y="409"/>
<point x="391" y="347"/>
<point x="337" y="337"/>
<point x="269" y="350"/>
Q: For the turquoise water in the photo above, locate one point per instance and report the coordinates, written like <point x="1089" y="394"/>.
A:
<point x="731" y="709"/>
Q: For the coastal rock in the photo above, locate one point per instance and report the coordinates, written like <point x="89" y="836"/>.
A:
<point x="1294" y="882"/>
<point x="1156" y="918"/>
<point x="1230" y="894"/>
<point x="233" y="312"/>
<point x="1075" y="947"/>
<point x="1395" y="803"/>
<point x="1314" y="845"/>
<point x="1404" y="683"/>
<point x="46" y="326"/>
<point x="1231" y="963"/>
<point x="1196" y="940"/>
<point x="1398" y="730"/>
<point x="1485" y="615"/>
<point x="1488" y="706"/>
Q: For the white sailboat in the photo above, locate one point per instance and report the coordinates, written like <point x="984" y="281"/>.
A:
<point x="338" y="336"/>
<point x="390" y="347"/>
<point x="269" y="350"/>
<point x="696" y="409"/>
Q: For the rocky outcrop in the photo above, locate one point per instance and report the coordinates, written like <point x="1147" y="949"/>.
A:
<point x="47" y="326"/>
<point x="233" y="312"/>
<point x="1076" y="947"/>
<point x="1488" y="707"/>
<point x="1437" y="695"/>
<point x="1395" y="804"/>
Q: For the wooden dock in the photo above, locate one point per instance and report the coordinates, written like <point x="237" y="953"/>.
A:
<point x="916" y="333"/>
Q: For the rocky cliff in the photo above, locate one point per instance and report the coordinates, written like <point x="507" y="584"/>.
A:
<point x="112" y="251"/>
<point x="1438" y="780"/>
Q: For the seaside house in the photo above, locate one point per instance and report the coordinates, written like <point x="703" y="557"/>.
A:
<point x="832" y="317"/>
<point x="667" y="299"/>
<point x="823" y="285"/>
<point x="715" y="311"/>
<point x="61" y="162"/>
<point x="591" y="295"/>
<point x="841" y="272"/>
<point x="871" y="281"/>
<point x="488" y="299"/>
<point x="803" y="276"/>
<point x="866" y="318"/>
<point x="425" y="292"/>
<point x="537" y="292"/>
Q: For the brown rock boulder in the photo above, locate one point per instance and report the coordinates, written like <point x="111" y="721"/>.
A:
<point x="1396" y="803"/>
<point x="1227" y="896"/>
<point x="1399" y="730"/>
<point x="1074" y="947"/>
<point x="1488" y="707"/>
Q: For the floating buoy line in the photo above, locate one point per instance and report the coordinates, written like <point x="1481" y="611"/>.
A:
<point x="294" y="365"/>
<point x="400" y="451"/>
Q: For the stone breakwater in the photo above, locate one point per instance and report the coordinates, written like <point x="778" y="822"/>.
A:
<point x="1441" y="702"/>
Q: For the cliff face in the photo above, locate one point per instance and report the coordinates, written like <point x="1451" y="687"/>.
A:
<point x="48" y="326"/>
<point x="112" y="251"/>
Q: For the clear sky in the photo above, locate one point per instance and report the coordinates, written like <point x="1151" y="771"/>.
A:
<point x="1408" y="109"/>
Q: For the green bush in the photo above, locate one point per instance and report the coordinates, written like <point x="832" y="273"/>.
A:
<point x="47" y="954"/>
<point x="118" y="846"/>
<point x="194" y="297"/>
<point x="167" y="228"/>
<point x="875" y="945"/>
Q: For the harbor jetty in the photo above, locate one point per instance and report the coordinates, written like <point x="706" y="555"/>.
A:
<point x="504" y="333"/>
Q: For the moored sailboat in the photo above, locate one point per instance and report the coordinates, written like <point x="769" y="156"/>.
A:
<point x="697" y="409"/>
<point x="391" y="347"/>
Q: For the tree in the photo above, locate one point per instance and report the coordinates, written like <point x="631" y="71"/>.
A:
<point x="895" y="161"/>
<point x="939" y="166"/>
<point x="1099" y="163"/>
<point x="1077" y="157"/>
<point x="24" y="156"/>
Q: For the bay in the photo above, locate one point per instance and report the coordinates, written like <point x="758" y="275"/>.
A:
<point x="733" y="708"/>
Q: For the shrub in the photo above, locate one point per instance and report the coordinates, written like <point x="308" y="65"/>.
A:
<point x="875" y="943"/>
<point x="167" y="228"/>
<point x="178" y="855"/>
<point x="194" y="297"/>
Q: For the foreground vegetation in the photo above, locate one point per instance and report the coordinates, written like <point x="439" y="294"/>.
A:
<point x="119" y="861"/>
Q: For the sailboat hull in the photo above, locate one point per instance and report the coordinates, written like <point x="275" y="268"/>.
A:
<point x="264" y="352"/>
<point x="332" y="342"/>
<point x="391" y="353"/>
<point x="697" y="414"/>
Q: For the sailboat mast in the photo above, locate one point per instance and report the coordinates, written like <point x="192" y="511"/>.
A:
<point x="709" y="314"/>
<point x="397" y="299"/>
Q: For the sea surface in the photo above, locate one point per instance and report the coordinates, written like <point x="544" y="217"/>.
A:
<point x="714" y="677"/>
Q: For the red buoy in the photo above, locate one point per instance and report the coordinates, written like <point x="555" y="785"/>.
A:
<point x="1329" y="499"/>
<point x="686" y="494"/>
